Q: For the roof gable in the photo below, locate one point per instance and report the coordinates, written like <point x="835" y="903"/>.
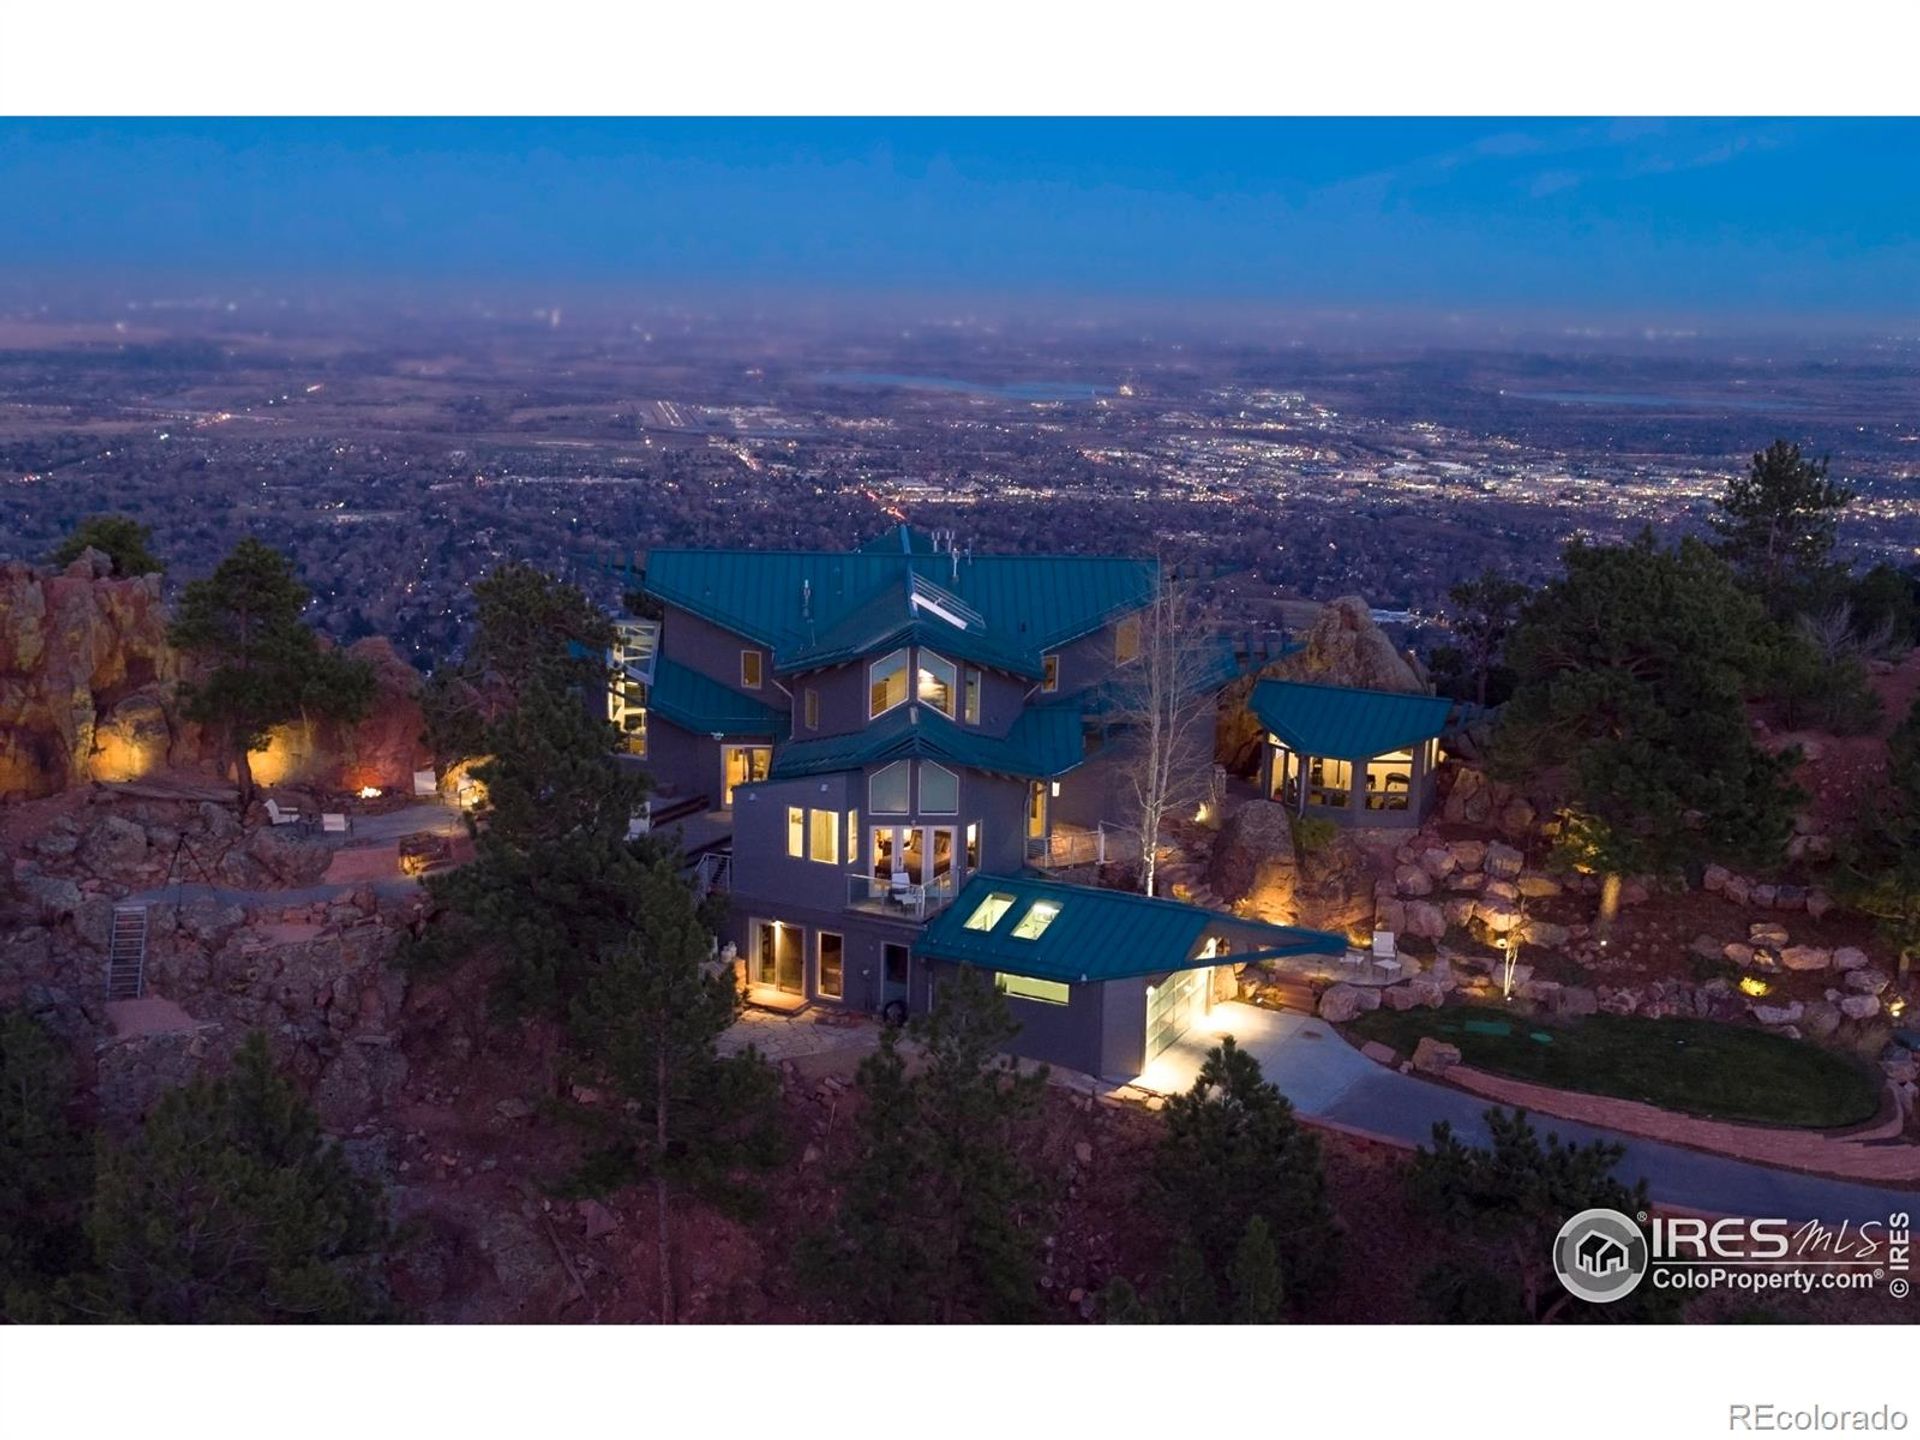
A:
<point x="1344" y="723"/>
<point x="1095" y="934"/>
<point x="1041" y="744"/>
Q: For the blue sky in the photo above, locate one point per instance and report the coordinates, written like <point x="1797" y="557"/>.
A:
<point x="1682" y="218"/>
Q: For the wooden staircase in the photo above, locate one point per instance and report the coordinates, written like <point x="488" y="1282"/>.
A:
<point x="127" y="953"/>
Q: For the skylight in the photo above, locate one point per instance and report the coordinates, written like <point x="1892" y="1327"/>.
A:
<point x="989" y="912"/>
<point x="1034" y="923"/>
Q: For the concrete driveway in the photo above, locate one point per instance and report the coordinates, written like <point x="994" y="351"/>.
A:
<point x="1329" y="1080"/>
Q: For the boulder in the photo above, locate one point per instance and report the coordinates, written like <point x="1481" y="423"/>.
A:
<point x="1504" y="890"/>
<point x="1425" y="920"/>
<point x="1819" y="904"/>
<point x="1343" y="646"/>
<point x="113" y="847"/>
<point x="1767" y="933"/>
<point x="1576" y="1000"/>
<point x="1427" y="991"/>
<point x="1738" y="889"/>
<point x="1499" y="916"/>
<point x="1391" y="915"/>
<point x="1516" y="818"/>
<point x="1739" y="954"/>
<point x="1860" y="1007"/>
<point x="1253" y="860"/>
<point x="1763" y="896"/>
<point x="1714" y="882"/>
<point x="1399" y="997"/>
<point x="1805" y="957"/>
<point x="1435" y="1057"/>
<point x="1536" y="886"/>
<point x="1468" y="854"/>
<point x="1437" y="861"/>
<point x="1820" y="1019"/>
<point x="49" y="897"/>
<point x="1457" y="912"/>
<point x="1466" y="882"/>
<point x="1788" y="1014"/>
<point x="1849" y="957"/>
<point x="1868" y="982"/>
<point x="1341" y="1003"/>
<point x="1380" y="1054"/>
<point x="1504" y="861"/>
<point x="1412" y="880"/>
<point x="1544" y="933"/>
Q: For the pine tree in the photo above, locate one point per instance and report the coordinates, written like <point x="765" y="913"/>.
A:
<point x="1254" y="1278"/>
<point x="46" y="1168"/>
<point x="1509" y="1200"/>
<point x="1484" y="612"/>
<point x="1880" y="859"/>
<point x="121" y="538"/>
<point x="230" y="1207"/>
<point x="1234" y="1153"/>
<point x="1632" y="675"/>
<point x="265" y="667"/>
<point x="648" y="1022"/>
<point x="1776" y="526"/>
<point x="939" y="1210"/>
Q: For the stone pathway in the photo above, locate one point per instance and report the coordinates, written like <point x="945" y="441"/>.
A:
<point x="796" y="1037"/>
<point x="1331" y="1083"/>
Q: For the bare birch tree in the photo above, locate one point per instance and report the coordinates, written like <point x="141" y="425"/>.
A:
<point x="1164" y="708"/>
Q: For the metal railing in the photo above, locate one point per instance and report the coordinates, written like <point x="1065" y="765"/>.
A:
<point x="1067" y="846"/>
<point x="905" y="899"/>
<point x="712" y="871"/>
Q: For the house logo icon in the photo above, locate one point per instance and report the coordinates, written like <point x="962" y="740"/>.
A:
<point x="1600" y="1255"/>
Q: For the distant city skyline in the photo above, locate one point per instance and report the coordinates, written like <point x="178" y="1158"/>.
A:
<point x="1727" y="222"/>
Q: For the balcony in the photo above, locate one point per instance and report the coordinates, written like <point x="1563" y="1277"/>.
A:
<point x="901" y="899"/>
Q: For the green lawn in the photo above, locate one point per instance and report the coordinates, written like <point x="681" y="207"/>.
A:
<point x="1723" y="1072"/>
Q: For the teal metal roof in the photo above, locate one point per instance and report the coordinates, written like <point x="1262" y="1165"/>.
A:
<point x="1041" y="744"/>
<point x="705" y="706"/>
<point x="807" y="605"/>
<point x="1344" y="723"/>
<point x="1120" y="692"/>
<point x="1096" y="934"/>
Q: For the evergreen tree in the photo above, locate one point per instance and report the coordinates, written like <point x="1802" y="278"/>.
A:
<point x="1509" y="1201"/>
<point x="1254" y="1279"/>
<point x="121" y="538"/>
<point x="648" y="1022"/>
<point x="1880" y="859"/>
<point x="1233" y="1154"/>
<point x="1776" y="526"/>
<point x="1484" y="612"/>
<point x="265" y="667"/>
<point x="1632" y="676"/>
<point x="935" y="1221"/>
<point x="230" y="1207"/>
<point x="46" y="1168"/>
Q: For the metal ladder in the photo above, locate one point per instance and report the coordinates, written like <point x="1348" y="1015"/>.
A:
<point x="127" y="953"/>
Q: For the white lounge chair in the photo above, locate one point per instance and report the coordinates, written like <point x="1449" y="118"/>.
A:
<point x="425" y="784"/>
<point x="334" y="823"/>
<point x="277" y="816"/>
<point x="640" y="822"/>
<point x="1386" y="952"/>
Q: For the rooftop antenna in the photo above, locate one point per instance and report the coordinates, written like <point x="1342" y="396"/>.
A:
<point x="806" y="599"/>
<point x="953" y="554"/>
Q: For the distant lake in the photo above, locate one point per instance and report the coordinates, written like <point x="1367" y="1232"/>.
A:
<point x="1015" y="390"/>
<point x="1645" y="400"/>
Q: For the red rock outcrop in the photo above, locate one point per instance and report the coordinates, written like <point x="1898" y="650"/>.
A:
<point x="382" y="750"/>
<point x="85" y="670"/>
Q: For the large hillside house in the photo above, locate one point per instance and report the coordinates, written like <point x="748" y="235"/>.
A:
<point x="863" y="738"/>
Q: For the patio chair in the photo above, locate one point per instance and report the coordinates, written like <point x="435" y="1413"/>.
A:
<point x="1386" y="952"/>
<point x="334" y="822"/>
<point x="277" y="816"/>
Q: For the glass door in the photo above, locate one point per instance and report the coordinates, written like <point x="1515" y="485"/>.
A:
<point x="778" y="957"/>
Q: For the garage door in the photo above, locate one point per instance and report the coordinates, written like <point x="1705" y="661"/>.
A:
<point x="1173" y="1006"/>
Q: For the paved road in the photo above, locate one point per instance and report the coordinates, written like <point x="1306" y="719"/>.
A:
<point x="1330" y="1080"/>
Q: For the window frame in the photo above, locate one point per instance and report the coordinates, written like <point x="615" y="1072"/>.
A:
<point x="839" y="992"/>
<point x="1050" y="672"/>
<point x="1123" y="652"/>
<point x="1036" y="921"/>
<point x="1026" y="987"/>
<point x="831" y="835"/>
<point x="810" y="708"/>
<point x="796" y="832"/>
<point x="853" y="837"/>
<point x="905" y="656"/>
<point x="922" y="654"/>
<point x="921" y="787"/>
<point x="905" y="767"/>
<point x="757" y="679"/>
<point x="970" y="701"/>
<point x="999" y="901"/>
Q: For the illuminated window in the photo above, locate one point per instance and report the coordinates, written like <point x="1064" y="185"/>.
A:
<point x="939" y="790"/>
<point x="1126" y="640"/>
<point x="1390" y="781"/>
<point x="812" y="705"/>
<point x="750" y="669"/>
<point x="1050" y="672"/>
<point x="1023" y="987"/>
<point x="973" y="846"/>
<point x="1036" y="811"/>
<point x="1329" y="782"/>
<point x="1034" y="923"/>
<point x="972" y="711"/>
<point x="936" y="683"/>
<point x="989" y="912"/>
<point x="796" y="831"/>
<point x="887" y="791"/>
<point x="886" y="683"/>
<point x="823" y="836"/>
<point x="832" y="965"/>
<point x="853" y="837"/>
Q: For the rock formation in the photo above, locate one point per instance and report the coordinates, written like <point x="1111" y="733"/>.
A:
<point x="1343" y="647"/>
<point x="85" y="670"/>
<point x="382" y="750"/>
